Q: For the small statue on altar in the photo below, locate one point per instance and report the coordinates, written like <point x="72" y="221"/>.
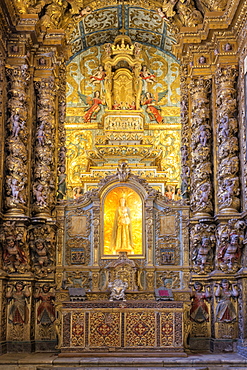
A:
<point x="118" y="288"/>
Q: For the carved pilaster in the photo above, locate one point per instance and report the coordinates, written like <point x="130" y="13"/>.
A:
<point x="201" y="139"/>
<point x="16" y="162"/>
<point x="44" y="169"/>
<point x="228" y="195"/>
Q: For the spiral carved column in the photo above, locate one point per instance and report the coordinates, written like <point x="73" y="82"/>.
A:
<point x="227" y="141"/>
<point x="61" y="133"/>
<point x="44" y="171"/>
<point x="201" y="167"/>
<point x="16" y="163"/>
<point x="185" y="134"/>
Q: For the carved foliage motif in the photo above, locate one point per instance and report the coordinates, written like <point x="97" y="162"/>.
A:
<point x="17" y="139"/>
<point x="202" y="249"/>
<point x="227" y="150"/>
<point x="44" y="186"/>
<point x="201" y="188"/>
<point x="230" y="245"/>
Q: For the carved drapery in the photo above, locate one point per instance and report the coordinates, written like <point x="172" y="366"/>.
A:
<point x="17" y="141"/>
<point x="44" y="171"/>
<point x="201" y="138"/>
<point x="227" y="141"/>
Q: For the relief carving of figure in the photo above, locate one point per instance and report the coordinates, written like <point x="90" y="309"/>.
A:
<point x="18" y="313"/>
<point x="199" y="310"/>
<point x="183" y="12"/>
<point x="16" y="190"/>
<point x="151" y="107"/>
<point x="98" y="78"/>
<point x="61" y="183"/>
<point x="40" y="196"/>
<point x="203" y="255"/>
<point x="147" y="78"/>
<point x="14" y="258"/>
<point x="41" y="257"/>
<point x="94" y="105"/>
<point x="225" y="293"/>
<point x="46" y="308"/>
<point x="16" y="125"/>
<point x="229" y="254"/>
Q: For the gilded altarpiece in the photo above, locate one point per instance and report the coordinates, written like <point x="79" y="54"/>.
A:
<point x="131" y="324"/>
<point x="122" y="103"/>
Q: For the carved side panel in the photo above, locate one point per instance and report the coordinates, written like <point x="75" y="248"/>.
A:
<point x="78" y="242"/>
<point x="167" y="251"/>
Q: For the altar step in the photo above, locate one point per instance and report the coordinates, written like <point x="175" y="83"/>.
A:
<point x="51" y="361"/>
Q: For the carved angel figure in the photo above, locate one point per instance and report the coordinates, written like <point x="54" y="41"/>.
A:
<point x="149" y="103"/>
<point x="14" y="259"/>
<point x="225" y="310"/>
<point x="40" y="196"/>
<point x="18" y="313"/>
<point x="94" y="106"/>
<point x="46" y="308"/>
<point x="229" y="254"/>
<point x="199" y="310"/>
<point x="203" y="255"/>
<point x="183" y="12"/>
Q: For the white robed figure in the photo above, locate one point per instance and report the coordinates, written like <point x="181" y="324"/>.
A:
<point x="121" y="240"/>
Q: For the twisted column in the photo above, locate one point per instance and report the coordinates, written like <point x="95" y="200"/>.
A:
<point x="44" y="169"/>
<point x="201" y="139"/>
<point x="185" y="133"/>
<point x="228" y="195"/>
<point x="16" y="164"/>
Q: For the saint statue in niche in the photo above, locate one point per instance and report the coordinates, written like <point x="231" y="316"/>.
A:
<point x="122" y="230"/>
<point x="122" y="222"/>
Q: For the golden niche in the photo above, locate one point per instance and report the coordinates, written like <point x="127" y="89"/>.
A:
<point x="122" y="222"/>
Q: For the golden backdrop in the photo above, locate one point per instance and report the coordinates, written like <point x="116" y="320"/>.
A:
<point x="134" y="204"/>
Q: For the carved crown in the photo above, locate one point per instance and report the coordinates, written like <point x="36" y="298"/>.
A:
<point x="122" y="45"/>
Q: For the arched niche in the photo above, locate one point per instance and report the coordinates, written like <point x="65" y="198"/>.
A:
<point x="123" y="221"/>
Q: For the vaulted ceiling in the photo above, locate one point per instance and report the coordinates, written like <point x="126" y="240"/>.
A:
<point x="104" y="24"/>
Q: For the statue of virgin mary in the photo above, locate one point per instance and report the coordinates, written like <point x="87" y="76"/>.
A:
<point x="121" y="240"/>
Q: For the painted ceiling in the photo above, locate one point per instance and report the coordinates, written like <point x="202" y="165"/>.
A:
<point x="104" y="24"/>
